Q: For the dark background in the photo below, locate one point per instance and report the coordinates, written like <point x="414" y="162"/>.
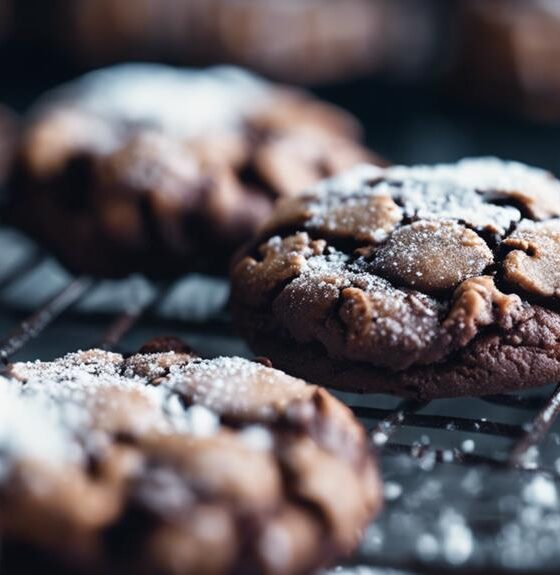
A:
<point x="430" y="116"/>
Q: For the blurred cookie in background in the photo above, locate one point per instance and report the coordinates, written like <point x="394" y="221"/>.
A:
<point x="162" y="171"/>
<point x="306" y="42"/>
<point x="294" y="40"/>
<point x="6" y="19"/>
<point x="499" y="52"/>
<point x="508" y="54"/>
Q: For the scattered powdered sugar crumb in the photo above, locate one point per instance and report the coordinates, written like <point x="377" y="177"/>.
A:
<point x="428" y="460"/>
<point x="257" y="437"/>
<point x="392" y="490"/>
<point x="448" y="456"/>
<point x="530" y="458"/>
<point x="467" y="446"/>
<point x="380" y="438"/>
<point x="541" y="491"/>
<point x="457" y="544"/>
<point x="427" y="546"/>
<point x="199" y="421"/>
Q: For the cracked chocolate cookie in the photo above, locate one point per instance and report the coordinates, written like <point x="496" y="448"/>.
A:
<point x="150" y="169"/>
<point x="427" y="281"/>
<point x="165" y="463"/>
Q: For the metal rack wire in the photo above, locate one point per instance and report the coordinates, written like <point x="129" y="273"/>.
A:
<point x="398" y="431"/>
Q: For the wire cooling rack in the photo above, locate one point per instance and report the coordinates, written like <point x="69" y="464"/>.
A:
<point x="471" y="485"/>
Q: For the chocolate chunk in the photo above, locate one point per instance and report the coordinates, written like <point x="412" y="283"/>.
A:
<point x="363" y="219"/>
<point x="432" y="256"/>
<point x="533" y="265"/>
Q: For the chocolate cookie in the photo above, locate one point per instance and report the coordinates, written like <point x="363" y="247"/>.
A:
<point x="145" y="168"/>
<point x="166" y="463"/>
<point x="506" y="54"/>
<point x="304" y="42"/>
<point x="422" y="281"/>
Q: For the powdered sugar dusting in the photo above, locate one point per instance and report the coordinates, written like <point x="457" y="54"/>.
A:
<point x="30" y="427"/>
<point x="351" y="181"/>
<point x="380" y="319"/>
<point x="445" y="199"/>
<point x="369" y="216"/>
<point x="236" y="386"/>
<point x="463" y="191"/>
<point x="49" y="411"/>
<point x="367" y="263"/>
<point x="432" y="255"/>
<point x="494" y="176"/>
<point x="181" y="102"/>
<point x="61" y="401"/>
